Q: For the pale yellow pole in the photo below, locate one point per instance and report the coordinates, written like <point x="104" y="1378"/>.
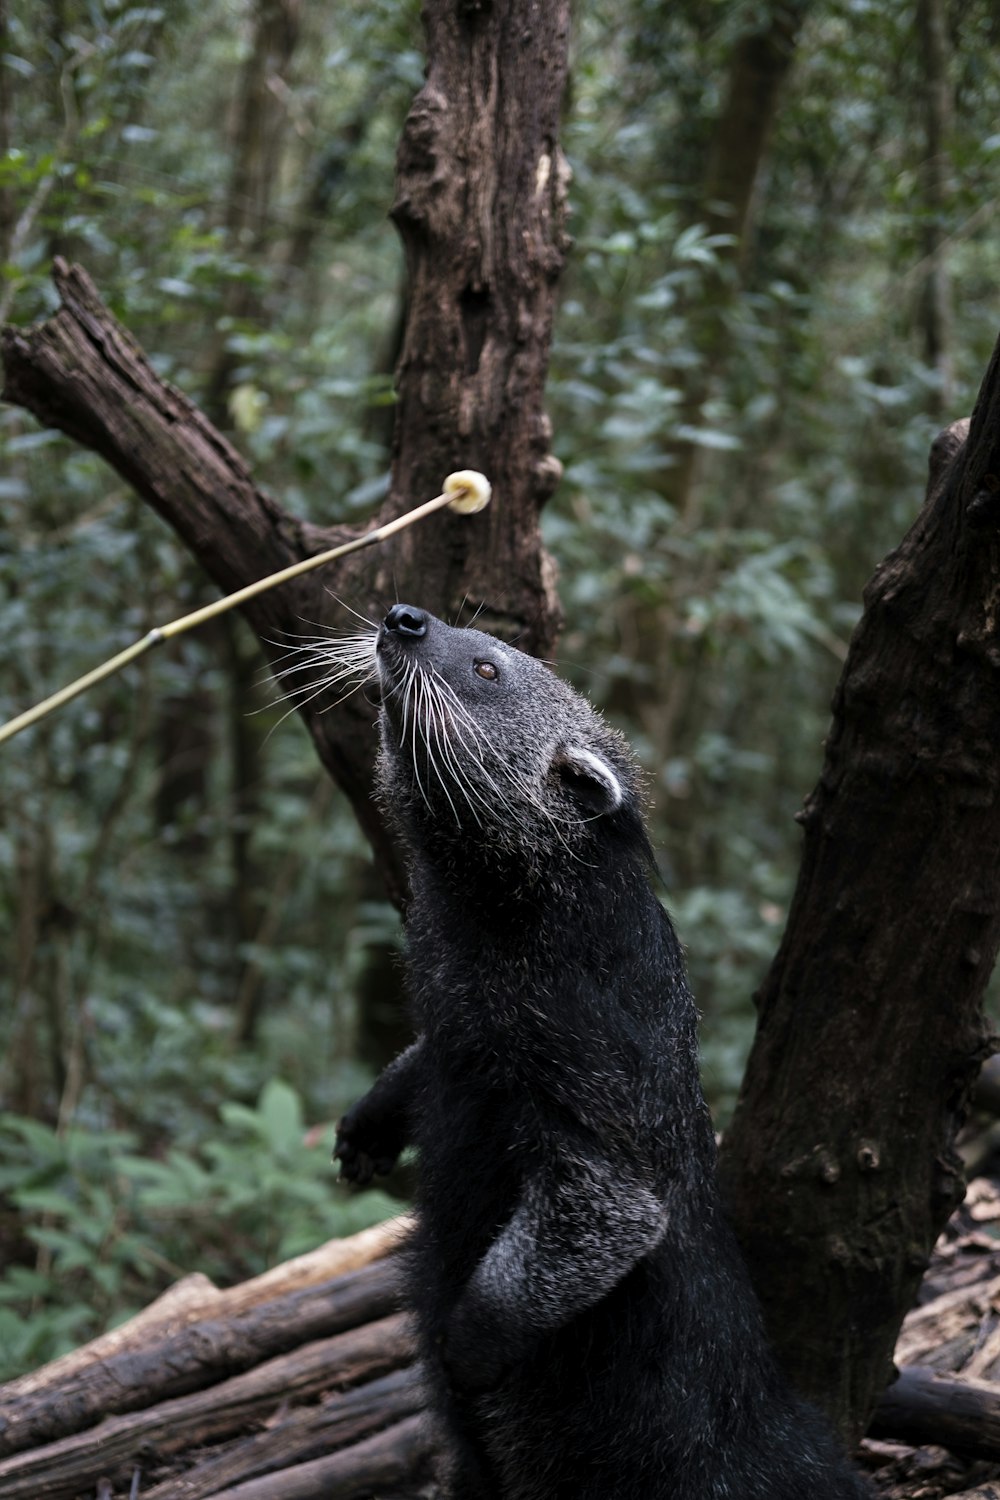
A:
<point x="466" y="491"/>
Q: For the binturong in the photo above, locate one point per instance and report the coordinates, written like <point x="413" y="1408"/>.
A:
<point x="587" y="1324"/>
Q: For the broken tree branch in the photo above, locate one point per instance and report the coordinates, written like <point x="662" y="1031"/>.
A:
<point x="926" y="1406"/>
<point x="195" y="1297"/>
<point x="354" y="1359"/>
<point x="848" y="1173"/>
<point x="195" y="1356"/>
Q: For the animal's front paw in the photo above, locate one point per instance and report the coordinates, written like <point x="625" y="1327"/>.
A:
<point x="362" y="1153"/>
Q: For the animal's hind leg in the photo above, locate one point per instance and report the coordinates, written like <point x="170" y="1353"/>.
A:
<point x="465" y="1477"/>
<point x="469" y="1473"/>
<point x="464" y="1484"/>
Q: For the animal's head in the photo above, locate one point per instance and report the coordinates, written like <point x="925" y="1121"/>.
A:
<point x="483" y="742"/>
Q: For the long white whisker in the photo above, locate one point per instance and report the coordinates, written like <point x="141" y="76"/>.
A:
<point x="343" y="658"/>
<point x="344" y="669"/>
<point x="414" y="694"/>
<point x="322" y="688"/>
<point x="404" y="689"/>
<point x="498" y="761"/>
<point x="479" y="738"/>
<point x="450" y="749"/>
<point x="344" y="605"/>
<point x="460" y="779"/>
<point x="329" y="680"/>
<point x="443" y="750"/>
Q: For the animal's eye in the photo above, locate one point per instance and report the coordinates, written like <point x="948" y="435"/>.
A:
<point x="486" y="669"/>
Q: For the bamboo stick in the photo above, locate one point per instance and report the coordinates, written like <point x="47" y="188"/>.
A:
<point x="466" y="491"/>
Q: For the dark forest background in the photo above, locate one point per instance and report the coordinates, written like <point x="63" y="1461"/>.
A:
<point x="759" y="332"/>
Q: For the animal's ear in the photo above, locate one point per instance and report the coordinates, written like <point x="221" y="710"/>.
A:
<point x="588" y="778"/>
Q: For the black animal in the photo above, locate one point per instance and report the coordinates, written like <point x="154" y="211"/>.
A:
<point x="587" y="1322"/>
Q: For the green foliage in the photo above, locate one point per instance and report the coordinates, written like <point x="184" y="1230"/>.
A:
<point x="171" y="857"/>
<point x="110" y="1226"/>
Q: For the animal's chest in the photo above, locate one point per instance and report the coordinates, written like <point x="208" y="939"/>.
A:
<point x="477" y="1146"/>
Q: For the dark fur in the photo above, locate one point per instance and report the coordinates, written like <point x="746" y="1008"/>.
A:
<point x="585" y="1315"/>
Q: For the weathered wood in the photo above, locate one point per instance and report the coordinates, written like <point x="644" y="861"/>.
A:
<point x="840" y="1161"/>
<point x="945" y="1318"/>
<point x="394" y="1458"/>
<point x="480" y="206"/>
<point x="115" y="1445"/>
<point x="300" y="1436"/>
<point x="195" y="1297"/>
<point x="925" y="1406"/>
<point x="196" y="1356"/>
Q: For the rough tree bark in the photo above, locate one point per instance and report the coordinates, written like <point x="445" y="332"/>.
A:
<point x="839" y="1166"/>
<point x="480" y="205"/>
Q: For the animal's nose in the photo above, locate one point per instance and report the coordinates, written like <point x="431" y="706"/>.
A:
<point x="404" y="619"/>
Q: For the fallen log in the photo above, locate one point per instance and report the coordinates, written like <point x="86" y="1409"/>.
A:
<point x="195" y="1297"/>
<point x="399" y="1457"/>
<point x="220" y="1413"/>
<point x="925" y="1406"/>
<point x="196" y="1356"/>
<point x="59" y="1470"/>
<point x="303" y="1436"/>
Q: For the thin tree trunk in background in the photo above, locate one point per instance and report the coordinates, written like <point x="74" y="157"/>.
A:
<point x="839" y="1167"/>
<point x="324" y="179"/>
<point x="662" y="694"/>
<point x="26" y="1092"/>
<point x="938" y="187"/>
<point x="247" y="733"/>
<point x="760" y="65"/>
<point x="260" y="122"/>
<point x="258" y="138"/>
<point x="185" y="745"/>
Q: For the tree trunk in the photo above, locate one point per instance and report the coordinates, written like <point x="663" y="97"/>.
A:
<point x="480" y="205"/>
<point x="258" y="134"/>
<point x="839" y="1166"/>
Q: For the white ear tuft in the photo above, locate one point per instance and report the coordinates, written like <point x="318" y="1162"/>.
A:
<point x="589" y="778"/>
